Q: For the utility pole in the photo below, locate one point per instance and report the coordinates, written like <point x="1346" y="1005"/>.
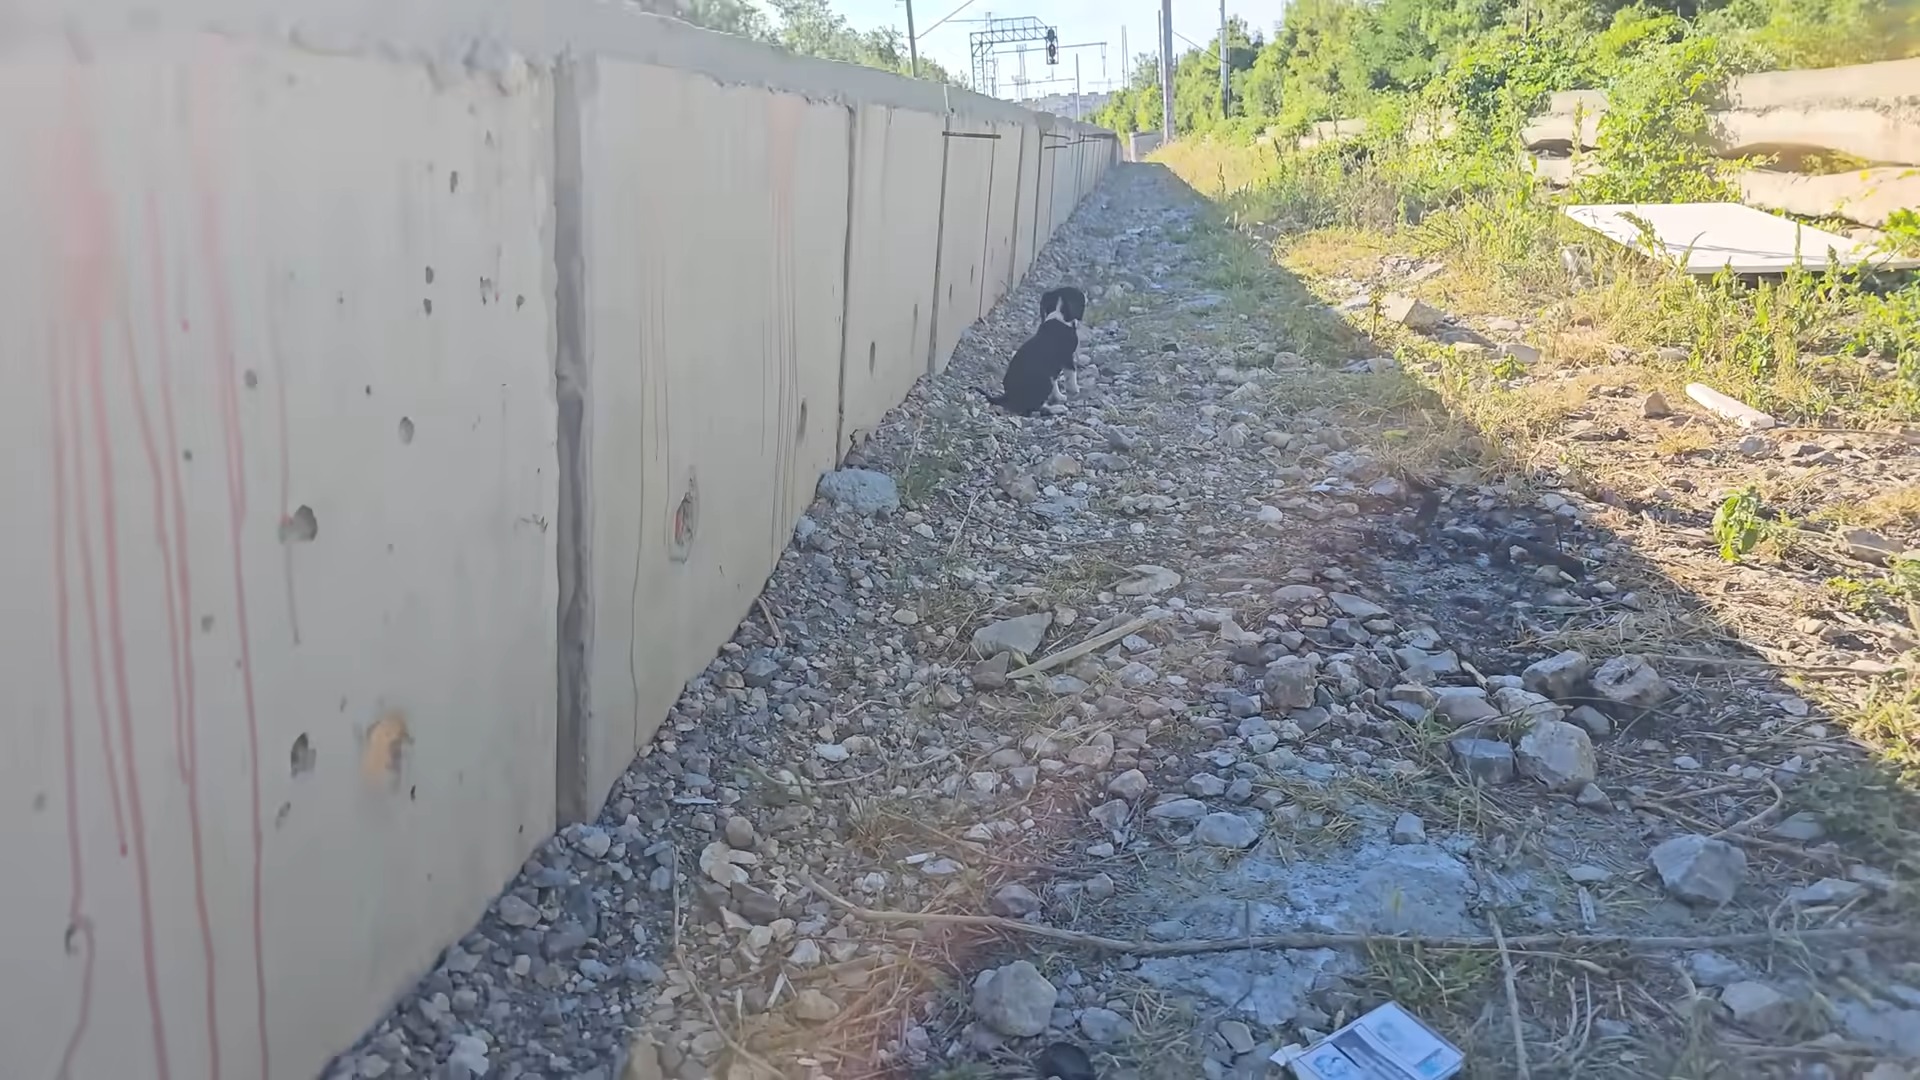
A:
<point x="913" y="47"/>
<point x="1166" y="70"/>
<point x="1223" y="60"/>
<point x="1076" y="87"/>
<point x="1126" y="73"/>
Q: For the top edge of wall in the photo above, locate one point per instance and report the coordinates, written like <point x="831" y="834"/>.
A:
<point x="493" y="37"/>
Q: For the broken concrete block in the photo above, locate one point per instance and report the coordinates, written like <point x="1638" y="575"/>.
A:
<point x="1558" y="677"/>
<point x="1410" y="313"/>
<point x="1629" y="685"/>
<point x="1557" y="754"/>
<point x="1700" y="870"/>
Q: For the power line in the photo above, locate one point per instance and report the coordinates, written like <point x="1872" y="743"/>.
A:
<point x="949" y="15"/>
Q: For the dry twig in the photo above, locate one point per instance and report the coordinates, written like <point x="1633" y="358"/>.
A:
<point x="1075" y="652"/>
<point x="1513" y="1000"/>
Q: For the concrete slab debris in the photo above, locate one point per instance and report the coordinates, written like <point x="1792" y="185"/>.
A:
<point x="1709" y="237"/>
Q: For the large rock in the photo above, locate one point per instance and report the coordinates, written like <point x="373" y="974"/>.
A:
<point x="1558" y="754"/>
<point x="1558" y="677"/>
<point x="1288" y="683"/>
<point x="1227" y="830"/>
<point x="862" y="491"/>
<point x="1015" y="1000"/>
<point x="1484" y="761"/>
<point x="1103" y="1026"/>
<point x="1756" y="1005"/>
<point x="1409" y="312"/>
<point x="1019" y="635"/>
<point x="1700" y="870"/>
<point x="1357" y="607"/>
<point x="1524" y="707"/>
<point x="1629" y="685"/>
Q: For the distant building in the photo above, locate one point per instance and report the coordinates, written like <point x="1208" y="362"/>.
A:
<point x="1064" y="105"/>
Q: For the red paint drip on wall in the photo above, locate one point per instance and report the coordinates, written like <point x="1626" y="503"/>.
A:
<point x="96" y="659"/>
<point x="87" y="272"/>
<point x="179" y="631"/>
<point x="212" y="256"/>
<point x="79" y="925"/>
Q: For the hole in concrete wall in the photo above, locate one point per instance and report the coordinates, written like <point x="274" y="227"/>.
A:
<point x="873" y="357"/>
<point x="299" y="527"/>
<point x="800" y="432"/>
<point x="413" y="793"/>
<point x="186" y="455"/>
<point x="250" y="379"/>
<point x="426" y="306"/>
<point x="686" y="522"/>
<point x="301" y="759"/>
<point x="429" y="275"/>
<point x="406" y="430"/>
<point x="280" y="817"/>
<point x="519" y="302"/>
<point x="453" y="181"/>
<point x="949" y="292"/>
<point x="916" y="322"/>
<point x="369" y="391"/>
<point x="206" y="624"/>
<point x="487" y="291"/>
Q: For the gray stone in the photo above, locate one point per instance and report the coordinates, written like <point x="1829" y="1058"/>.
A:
<point x="1014" y="900"/>
<point x="1870" y="546"/>
<point x="1629" y="685"/>
<point x="1021" y="635"/>
<point x="1129" y="785"/>
<point x="1524" y="706"/>
<point x="1520" y="352"/>
<point x="1895" y="1031"/>
<point x="1206" y="786"/>
<point x="517" y="912"/>
<point x="1147" y="580"/>
<point x="1654" y="406"/>
<point x="1710" y="968"/>
<point x="1288" y="683"/>
<point x="1104" y="1026"/>
<point x="1828" y="891"/>
<point x="1460" y="706"/>
<point x="1485" y="761"/>
<point x="1066" y="685"/>
<point x="1409" y="312"/>
<point x="760" y="672"/>
<point x="1238" y="1036"/>
<point x="1298" y="594"/>
<point x="1804" y="827"/>
<point x="1593" y="798"/>
<point x="815" y="1007"/>
<point x="1227" y="830"/>
<point x="1558" y="677"/>
<point x="1700" y="870"/>
<point x="1178" y="810"/>
<point x="1424" y="667"/>
<point x="862" y="491"/>
<point x="1756" y="1005"/>
<point x="1596" y="723"/>
<point x="1409" y="829"/>
<point x="1015" y="1000"/>
<point x="739" y="833"/>
<point x="991" y="673"/>
<point x="1557" y="754"/>
<point x="1355" y="607"/>
<point x="1098" y="887"/>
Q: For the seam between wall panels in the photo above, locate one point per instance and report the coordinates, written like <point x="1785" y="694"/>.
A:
<point x="986" y="227"/>
<point x="939" y="243"/>
<point x="573" y="396"/>
<point x="846" y="283"/>
<point x="1013" y="234"/>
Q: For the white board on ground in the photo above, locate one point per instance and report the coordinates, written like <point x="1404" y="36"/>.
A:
<point x="1710" y="237"/>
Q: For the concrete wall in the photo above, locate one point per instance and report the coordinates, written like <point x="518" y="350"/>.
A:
<point x="400" y="407"/>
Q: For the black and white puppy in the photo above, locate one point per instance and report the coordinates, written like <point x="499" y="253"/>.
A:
<point x="1071" y="303"/>
<point x="1031" y="374"/>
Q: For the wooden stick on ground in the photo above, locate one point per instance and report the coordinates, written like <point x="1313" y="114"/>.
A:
<point x="1195" y="946"/>
<point x="1513" y="1000"/>
<point x="1075" y="652"/>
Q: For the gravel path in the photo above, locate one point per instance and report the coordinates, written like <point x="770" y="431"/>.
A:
<point x="1318" y="703"/>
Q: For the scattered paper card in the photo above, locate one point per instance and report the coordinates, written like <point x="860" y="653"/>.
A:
<point x="1388" y="1043"/>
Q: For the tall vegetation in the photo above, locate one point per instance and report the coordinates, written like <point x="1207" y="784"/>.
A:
<point x="1332" y="59"/>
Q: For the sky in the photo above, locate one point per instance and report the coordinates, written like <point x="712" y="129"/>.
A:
<point x="1076" y="20"/>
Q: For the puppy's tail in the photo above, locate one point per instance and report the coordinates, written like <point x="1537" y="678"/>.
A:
<point x="992" y="398"/>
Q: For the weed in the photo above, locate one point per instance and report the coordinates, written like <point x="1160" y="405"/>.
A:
<point x="1737" y="524"/>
